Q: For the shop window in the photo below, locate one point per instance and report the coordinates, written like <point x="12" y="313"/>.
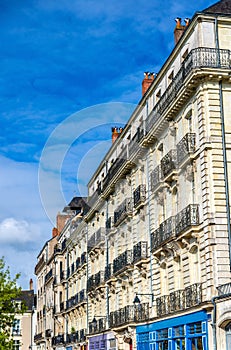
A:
<point x="162" y="339"/>
<point x="228" y="336"/>
<point x="179" y="338"/>
<point x="195" y="336"/>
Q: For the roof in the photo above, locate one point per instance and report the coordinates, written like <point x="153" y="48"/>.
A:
<point x="220" y="7"/>
<point x="29" y="298"/>
<point x="77" y="203"/>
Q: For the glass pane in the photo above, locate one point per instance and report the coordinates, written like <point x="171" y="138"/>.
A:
<point x="196" y="344"/>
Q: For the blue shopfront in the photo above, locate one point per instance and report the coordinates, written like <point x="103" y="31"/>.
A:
<point x="188" y="332"/>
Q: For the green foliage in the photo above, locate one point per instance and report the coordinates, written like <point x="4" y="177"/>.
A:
<point x="8" y="307"/>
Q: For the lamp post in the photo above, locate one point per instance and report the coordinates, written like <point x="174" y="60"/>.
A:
<point x="136" y="300"/>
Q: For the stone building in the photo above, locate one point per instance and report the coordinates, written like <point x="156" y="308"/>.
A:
<point x="147" y="266"/>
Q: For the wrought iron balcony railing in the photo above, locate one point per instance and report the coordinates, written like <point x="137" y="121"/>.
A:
<point x="98" y="327"/>
<point x="179" y="300"/>
<point x="48" y="275"/>
<point x="71" y="338"/>
<point x="197" y="58"/>
<point x="38" y="337"/>
<point x="58" y="339"/>
<point x="193" y="295"/>
<point x="186" y="146"/>
<point x="224" y="289"/>
<point x="122" y="261"/>
<point x="96" y="239"/>
<point x="140" y="251"/>
<point x="133" y="145"/>
<point x="155" y="177"/>
<point x="129" y="314"/>
<point x="169" y="163"/>
<point x="139" y="195"/>
<point x="115" y="167"/>
<point x="188" y="217"/>
<point x="123" y="210"/>
<point x="164" y="232"/>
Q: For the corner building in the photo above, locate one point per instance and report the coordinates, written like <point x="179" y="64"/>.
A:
<point x="156" y="236"/>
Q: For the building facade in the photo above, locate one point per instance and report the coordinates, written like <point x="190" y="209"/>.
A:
<point x="147" y="265"/>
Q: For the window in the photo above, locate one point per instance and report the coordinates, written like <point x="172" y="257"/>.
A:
<point x="195" y="336"/>
<point x="162" y="339"/>
<point x="16" y="328"/>
<point x="179" y="338"/>
<point x="228" y="336"/>
<point x="16" y="345"/>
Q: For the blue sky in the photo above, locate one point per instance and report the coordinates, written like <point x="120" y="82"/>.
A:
<point x="69" y="70"/>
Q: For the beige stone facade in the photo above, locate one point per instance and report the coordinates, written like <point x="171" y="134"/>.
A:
<point x="158" y="223"/>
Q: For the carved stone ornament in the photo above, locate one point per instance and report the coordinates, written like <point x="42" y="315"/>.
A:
<point x="172" y="128"/>
<point x="160" y="196"/>
<point x="189" y="172"/>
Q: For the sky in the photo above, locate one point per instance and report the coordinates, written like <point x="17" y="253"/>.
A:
<point x="70" y="69"/>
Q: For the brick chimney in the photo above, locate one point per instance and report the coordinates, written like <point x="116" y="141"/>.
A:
<point x="54" y="232"/>
<point x="31" y="284"/>
<point x="147" y="81"/>
<point x="115" y="133"/>
<point x="179" y="30"/>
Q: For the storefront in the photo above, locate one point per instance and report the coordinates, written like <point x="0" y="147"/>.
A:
<point x="104" y="341"/>
<point x="188" y="332"/>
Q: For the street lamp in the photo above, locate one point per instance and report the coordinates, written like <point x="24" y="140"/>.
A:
<point x="136" y="300"/>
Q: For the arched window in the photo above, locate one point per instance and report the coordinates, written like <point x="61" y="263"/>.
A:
<point x="228" y="336"/>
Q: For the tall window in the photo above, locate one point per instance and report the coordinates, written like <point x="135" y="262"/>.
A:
<point x="228" y="336"/>
<point x="16" y="327"/>
<point x="16" y="345"/>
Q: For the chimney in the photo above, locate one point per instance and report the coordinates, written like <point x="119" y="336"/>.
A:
<point x="31" y="284"/>
<point x="116" y="132"/>
<point x="54" y="232"/>
<point x="147" y="81"/>
<point x="179" y="30"/>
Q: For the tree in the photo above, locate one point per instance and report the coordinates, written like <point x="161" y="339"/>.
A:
<point x="9" y="292"/>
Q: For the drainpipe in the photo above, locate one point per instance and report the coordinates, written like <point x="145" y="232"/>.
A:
<point x="107" y="264"/>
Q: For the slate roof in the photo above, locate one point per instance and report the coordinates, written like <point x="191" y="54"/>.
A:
<point x="29" y="298"/>
<point x="220" y="7"/>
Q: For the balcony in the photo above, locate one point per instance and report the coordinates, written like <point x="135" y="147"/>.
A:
<point x="48" y="276"/>
<point x="48" y="333"/>
<point x="99" y="278"/>
<point x="115" y="167"/>
<point x="169" y="163"/>
<point x="179" y="300"/>
<point x="133" y="145"/>
<point x="96" y="239"/>
<point x="122" y="261"/>
<point x="188" y="217"/>
<point x="155" y="177"/>
<point x="38" y="337"/>
<point x="185" y="147"/>
<point x="224" y="289"/>
<point x="129" y="314"/>
<point x="139" y="196"/>
<point x="193" y="295"/>
<point x="197" y="58"/>
<point x="58" y="339"/>
<point x="140" y="252"/>
<point x="123" y="210"/>
<point x="98" y="327"/>
<point x="164" y="232"/>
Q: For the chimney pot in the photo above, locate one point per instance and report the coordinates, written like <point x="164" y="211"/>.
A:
<point x="147" y="81"/>
<point x="31" y="284"/>
<point x="179" y="30"/>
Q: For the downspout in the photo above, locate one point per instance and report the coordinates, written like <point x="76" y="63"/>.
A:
<point x="107" y="264"/>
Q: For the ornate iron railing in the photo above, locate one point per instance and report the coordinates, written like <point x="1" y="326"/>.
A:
<point x="58" y="339"/>
<point x="133" y="145"/>
<point x="129" y="314"/>
<point x="187" y="217"/>
<point x="186" y="146"/>
<point x="122" y="261"/>
<point x="224" y="289"/>
<point x="98" y="327"/>
<point x="115" y="167"/>
<point x="179" y="300"/>
<point x="71" y="338"/>
<point x="155" y="177"/>
<point x="139" y="195"/>
<point x="193" y="295"/>
<point x="123" y="210"/>
<point x="197" y="58"/>
<point x="97" y="238"/>
<point x="164" y="232"/>
<point x="140" y="251"/>
<point x="169" y="163"/>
